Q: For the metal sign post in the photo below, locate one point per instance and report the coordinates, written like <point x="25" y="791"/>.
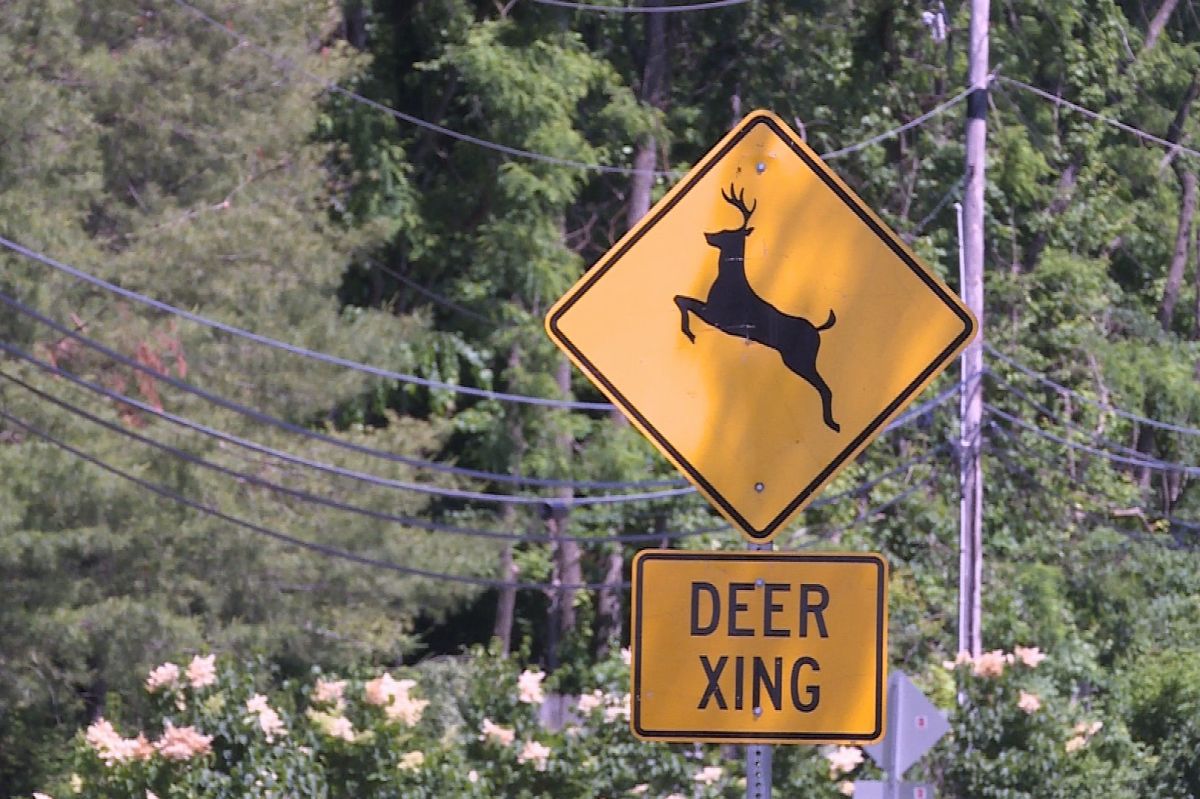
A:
<point x="758" y="756"/>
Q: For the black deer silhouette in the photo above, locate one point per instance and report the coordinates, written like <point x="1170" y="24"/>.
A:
<point x="733" y="307"/>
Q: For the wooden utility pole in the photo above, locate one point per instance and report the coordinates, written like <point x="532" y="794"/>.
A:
<point x="971" y="471"/>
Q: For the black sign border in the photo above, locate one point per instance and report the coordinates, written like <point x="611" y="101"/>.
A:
<point x="860" y="210"/>
<point x="707" y="736"/>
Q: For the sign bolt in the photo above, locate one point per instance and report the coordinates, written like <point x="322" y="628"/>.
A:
<point x="759" y="582"/>
<point x="760" y="167"/>
<point x="759" y="487"/>
<point x="757" y="712"/>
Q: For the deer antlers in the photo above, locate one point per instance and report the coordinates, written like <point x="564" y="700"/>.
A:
<point x="738" y="201"/>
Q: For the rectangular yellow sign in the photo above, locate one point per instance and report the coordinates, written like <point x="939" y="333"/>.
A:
<point x="759" y="647"/>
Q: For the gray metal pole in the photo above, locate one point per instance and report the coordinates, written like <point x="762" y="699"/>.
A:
<point x="892" y="751"/>
<point x="758" y="757"/>
<point x="971" y="472"/>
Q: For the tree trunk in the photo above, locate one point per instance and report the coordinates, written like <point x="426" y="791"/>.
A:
<point x="1183" y="237"/>
<point x="506" y="600"/>
<point x="608" y="606"/>
<point x="355" y="19"/>
<point x="1161" y="17"/>
<point x="568" y="568"/>
<point x="1196" y="279"/>
<point x="653" y="92"/>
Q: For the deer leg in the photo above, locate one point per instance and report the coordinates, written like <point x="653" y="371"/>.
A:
<point x="686" y="304"/>
<point x="826" y="401"/>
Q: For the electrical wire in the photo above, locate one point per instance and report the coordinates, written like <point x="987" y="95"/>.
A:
<point x="335" y="504"/>
<point x="642" y="9"/>
<point x="411" y="521"/>
<point x="1059" y="420"/>
<point x="937" y="208"/>
<point x="285" y="538"/>
<point x="326" y="550"/>
<point x="264" y="418"/>
<point x="294" y="349"/>
<point x="258" y="416"/>
<point x="1087" y="112"/>
<point x="919" y="120"/>
<point x="1013" y="443"/>
<point x="1133" y="417"/>
<point x="1190" y="471"/>
<point x="438" y="299"/>
<point x="287" y="65"/>
<point x="287" y="457"/>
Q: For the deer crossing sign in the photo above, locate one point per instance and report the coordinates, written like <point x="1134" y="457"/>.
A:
<point x="759" y="647"/>
<point x="761" y="325"/>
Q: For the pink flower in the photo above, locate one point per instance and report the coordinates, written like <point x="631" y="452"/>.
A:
<point x="328" y="691"/>
<point x="405" y="709"/>
<point x="991" y="664"/>
<point x="536" y="753"/>
<point x="164" y="676"/>
<point x="182" y="743"/>
<point x="709" y="774"/>
<point x="961" y="659"/>
<point x="383" y="690"/>
<point x="1028" y="702"/>
<point x="529" y="687"/>
<point x="411" y="761"/>
<point x="589" y="702"/>
<point x="112" y="748"/>
<point x="268" y="719"/>
<point x="202" y="672"/>
<point x="494" y="733"/>
<point x="843" y="759"/>
<point x="1031" y="656"/>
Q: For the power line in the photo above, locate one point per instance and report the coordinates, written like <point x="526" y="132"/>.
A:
<point x="1133" y="417"/>
<point x="1190" y="471"/>
<point x="294" y="349"/>
<point x="259" y="416"/>
<point x="211" y="432"/>
<point x="1050" y="414"/>
<point x="905" y="418"/>
<point x="258" y="529"/>
<point x="159" y="305"/>
<point x="950" y="194"/>
<point x="1012" y="442"/>
<point x="439" y="299"/>
<point x="642" y="9"/>
<point x="318" y="499"/>
<point x="919" y="120"/>
<point x="329" y="502"/>
<point x="322" y="549"/>
<point x="287" y="65"/>
<point x="1087" y="112"/>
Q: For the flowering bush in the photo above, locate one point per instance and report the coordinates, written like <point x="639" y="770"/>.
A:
<point x="483" y="726"/>
<point x="1024" y="729"/>
<point x="476" y="726"/>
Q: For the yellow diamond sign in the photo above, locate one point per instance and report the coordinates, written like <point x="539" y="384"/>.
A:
<point x="761" y="325"/>
<point x="759" y="647"/>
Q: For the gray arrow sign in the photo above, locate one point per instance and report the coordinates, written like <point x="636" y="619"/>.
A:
<point x="914" y="725"/>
